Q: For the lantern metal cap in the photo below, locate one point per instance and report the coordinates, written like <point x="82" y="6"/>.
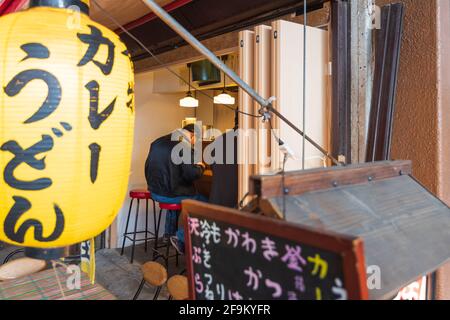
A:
<point x="83" y="5"/>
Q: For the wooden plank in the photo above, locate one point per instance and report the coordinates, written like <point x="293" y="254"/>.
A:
<point x="246" y="146"/>
<point x="341" y="78"/>
<point x="287" y="84"/>
<point x="221" y="45"/>
<point x="362" y="74"/>
<point x="124" y="11"/>
<point x="349" y="248"/>
<point x="385" y="83"/>
<point x="406" y="229"/>
<point x="318" y="179"/>
<point x="262" y="85"/>
<point x="171" y="6"/>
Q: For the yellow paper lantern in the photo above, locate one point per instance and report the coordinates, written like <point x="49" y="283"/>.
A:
<point x="66" y="125"/>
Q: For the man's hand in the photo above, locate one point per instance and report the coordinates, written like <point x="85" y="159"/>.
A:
<point x="201" y="164"/>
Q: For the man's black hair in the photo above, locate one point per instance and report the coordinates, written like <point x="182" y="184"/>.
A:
<point x="190" y="128"/>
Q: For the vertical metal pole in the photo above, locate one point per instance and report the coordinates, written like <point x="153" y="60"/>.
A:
<point x="305" y="20"/>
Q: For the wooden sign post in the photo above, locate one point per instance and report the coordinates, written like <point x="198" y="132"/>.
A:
<point x="233" y="256"/>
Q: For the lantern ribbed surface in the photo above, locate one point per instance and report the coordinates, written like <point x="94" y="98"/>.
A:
<point x="66" y="127"/>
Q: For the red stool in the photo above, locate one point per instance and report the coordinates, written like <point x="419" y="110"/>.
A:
<point x="139" y="195"/>
<point x="156" y="253"/>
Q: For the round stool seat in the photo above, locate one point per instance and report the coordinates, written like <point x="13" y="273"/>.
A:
<point x="154" y="273"/>
<point x="169" y="206"/>
<point x="178" y="287"/>
<point x="20" y="268"/>
<point x="140" y="194"/>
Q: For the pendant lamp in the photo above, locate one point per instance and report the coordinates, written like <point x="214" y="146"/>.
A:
<point x="189" y="101"/>
<point x="224" y="97"/>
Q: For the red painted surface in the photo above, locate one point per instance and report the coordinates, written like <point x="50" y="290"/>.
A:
<point x="151" y="16"/>
<point x="10" y="6"/>
<point x="140" y="194"/>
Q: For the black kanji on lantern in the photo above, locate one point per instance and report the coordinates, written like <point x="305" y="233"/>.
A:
<point x="20" y="207"/>
<point x="94" y="40"/>
<point x="130" y="93"/>
<point x="97" y="118"/>
<point x="20" y="81"/>
<point x="95" y="159"/>
<point x="27" y="156"/>
<point x="35" y="51"/>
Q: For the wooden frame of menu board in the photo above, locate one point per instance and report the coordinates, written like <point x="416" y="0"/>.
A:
<point x="349" y="249"/>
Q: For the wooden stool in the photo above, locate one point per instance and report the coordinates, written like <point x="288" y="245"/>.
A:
<point x="139" y="195"/>
<point x="178" y="288"/>
<point x="20" y="268"/>
<point x="155" y="275"/>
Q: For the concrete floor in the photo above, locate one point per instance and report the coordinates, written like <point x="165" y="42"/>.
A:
<point x="121" y="278"/>
<point x="115" y="273"/>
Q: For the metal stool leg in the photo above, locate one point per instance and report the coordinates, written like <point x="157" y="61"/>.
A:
<point x="166" y="258"/>
<point x="139" y="290"/>
<point x="126" y="227"/>
<point x="158" y="291"/>
<point x="154" y="217"/>
<point x="155" y="297"/>
<point x="146" y="224"/>
<point x="157" y="234"/>
<point x="176" y="251"/>
<point x="154" y="224"/>
<point x="135" y="231"/>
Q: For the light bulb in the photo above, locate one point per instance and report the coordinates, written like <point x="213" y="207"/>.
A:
<point x="189" y="102"/>
<point x="224" y="98"/>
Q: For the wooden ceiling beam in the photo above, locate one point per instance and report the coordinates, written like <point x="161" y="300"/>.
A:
<point x="151" y="16"/>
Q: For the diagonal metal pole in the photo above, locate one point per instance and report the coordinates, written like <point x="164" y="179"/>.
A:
<point x="266" y="104"/>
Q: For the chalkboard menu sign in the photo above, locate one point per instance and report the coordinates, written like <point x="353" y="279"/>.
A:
<point x="239" y="256"/>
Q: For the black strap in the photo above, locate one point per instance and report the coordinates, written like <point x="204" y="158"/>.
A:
<point x="84" y="8"/>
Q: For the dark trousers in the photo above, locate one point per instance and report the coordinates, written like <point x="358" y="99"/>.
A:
<point x="172" y="216"/>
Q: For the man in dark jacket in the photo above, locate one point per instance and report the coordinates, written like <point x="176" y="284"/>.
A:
<point x="165" y="177"/>
<point x="170" y="175"/>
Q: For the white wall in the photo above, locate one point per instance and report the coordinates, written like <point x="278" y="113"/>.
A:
<point x="205" y="110"/>
<point x="156" y="115"/>
<point x="221" y="117"/>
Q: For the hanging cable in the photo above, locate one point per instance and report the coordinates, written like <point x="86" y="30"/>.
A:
<point x="278" y="140"/>
<point x="106" y="13"/>
<point x="283" y="184"/>
<point x="305" y="20"/>
<point x="285" y="191"/>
